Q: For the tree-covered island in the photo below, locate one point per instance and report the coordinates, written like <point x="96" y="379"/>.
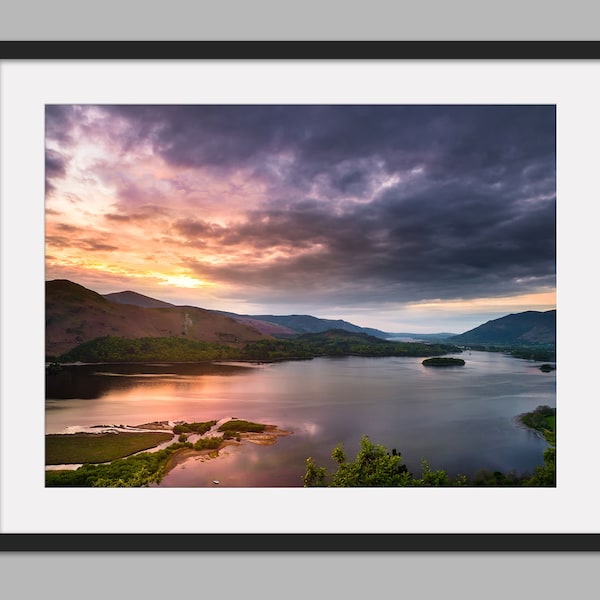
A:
<point x="443" y="361"/>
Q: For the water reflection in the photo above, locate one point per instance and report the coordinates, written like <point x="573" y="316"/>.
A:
<point x="94" y="381"/>
<point x="459" y="419"/>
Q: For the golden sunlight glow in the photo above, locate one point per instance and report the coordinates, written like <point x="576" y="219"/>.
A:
<point x="542" y="300"/>
<point x="182" y="281"/>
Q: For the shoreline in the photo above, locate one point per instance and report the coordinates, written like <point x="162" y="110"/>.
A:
<point x="267" y="437"/>
<point x="518" y="420"/>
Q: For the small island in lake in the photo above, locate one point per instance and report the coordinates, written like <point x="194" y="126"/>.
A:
<point x="443" y="361"/>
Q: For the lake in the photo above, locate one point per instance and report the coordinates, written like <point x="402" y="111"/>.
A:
<point x="460" y="419"/>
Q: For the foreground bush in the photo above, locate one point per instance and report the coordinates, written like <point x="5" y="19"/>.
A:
<point x="374" y="466"/>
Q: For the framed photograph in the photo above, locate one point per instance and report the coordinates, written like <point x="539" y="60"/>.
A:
<point x="298" y="295"/>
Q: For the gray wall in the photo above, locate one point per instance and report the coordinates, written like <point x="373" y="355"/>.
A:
<point x="292" y="575"/>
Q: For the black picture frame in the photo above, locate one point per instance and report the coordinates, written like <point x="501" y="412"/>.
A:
<point x="301" y="50"/>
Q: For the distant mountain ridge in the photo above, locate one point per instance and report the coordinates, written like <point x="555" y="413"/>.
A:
<point x="75" y="314"/>
<point x="282" y="326"/>
<point x="299" y="324"/>
<point x="526" y="328"/>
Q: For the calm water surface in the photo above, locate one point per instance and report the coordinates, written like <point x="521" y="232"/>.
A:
<point x="460" y="419"/>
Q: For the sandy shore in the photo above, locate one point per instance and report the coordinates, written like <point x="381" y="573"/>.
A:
<point x="268" y="437"/>
<point x="264" y="438"/>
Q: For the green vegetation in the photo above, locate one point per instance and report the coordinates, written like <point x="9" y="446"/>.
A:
<point x="541" y="352"/>
<point x="99" y="447"/>
<point x="209" y="443"/>
<point x="542" y="419"/>
<point x="443" y="361"/>
<point x="174" y="349"/>
<point x="177" y="349"/>
<point x="337" y="342"/>
<point x="546" y="475"/>
<point x="200" y="428"/>
<point x="374" y="467"/>
<point x="241" y="426"/>
<point x="136" y="471"/>
<point x="273" y="350"/>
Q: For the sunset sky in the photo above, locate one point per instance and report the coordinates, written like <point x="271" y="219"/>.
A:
<point x="404" y="218"/>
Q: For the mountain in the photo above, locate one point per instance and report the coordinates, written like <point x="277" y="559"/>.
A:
<point x="284" y="326"/>
<point x="298" y="324"/>
<point x="267" y="327"/>
<point x="526" y="328"/>
<point x="135" y="299"/>
<point x="419" y="337"/>
<point x="275" y="325"/>
<point x="75" y="314"/>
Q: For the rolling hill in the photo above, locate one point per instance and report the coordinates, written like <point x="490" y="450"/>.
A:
<point x="299" y="324"/>
<point x="75" y="314"/>
<point x="284" y="326"/>
<point x="135" y="299"/>
<point x="520" y="329"/>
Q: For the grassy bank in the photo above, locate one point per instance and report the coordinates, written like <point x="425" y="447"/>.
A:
<point x="99" y="447"/>
<point x="141" y="469"/>
<point x="136" y="471"/>
<point x="542" y="419"/>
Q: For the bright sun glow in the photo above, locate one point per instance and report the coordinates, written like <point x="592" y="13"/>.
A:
<point x="182" y="281"/>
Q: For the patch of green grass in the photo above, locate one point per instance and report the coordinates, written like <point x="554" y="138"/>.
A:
<point x="99" y="447"/>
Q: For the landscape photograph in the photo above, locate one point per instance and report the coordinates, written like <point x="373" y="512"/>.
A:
<point x="294" y="296"/>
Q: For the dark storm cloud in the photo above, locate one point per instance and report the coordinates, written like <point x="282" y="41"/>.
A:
<point x="396" y="202"/>
<point x="380" y="253"/>
<point x="194" y="229"/>
<point x="345" y="144"/>
<point x="59" y="122"/>
<point x="55" y="164"/>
